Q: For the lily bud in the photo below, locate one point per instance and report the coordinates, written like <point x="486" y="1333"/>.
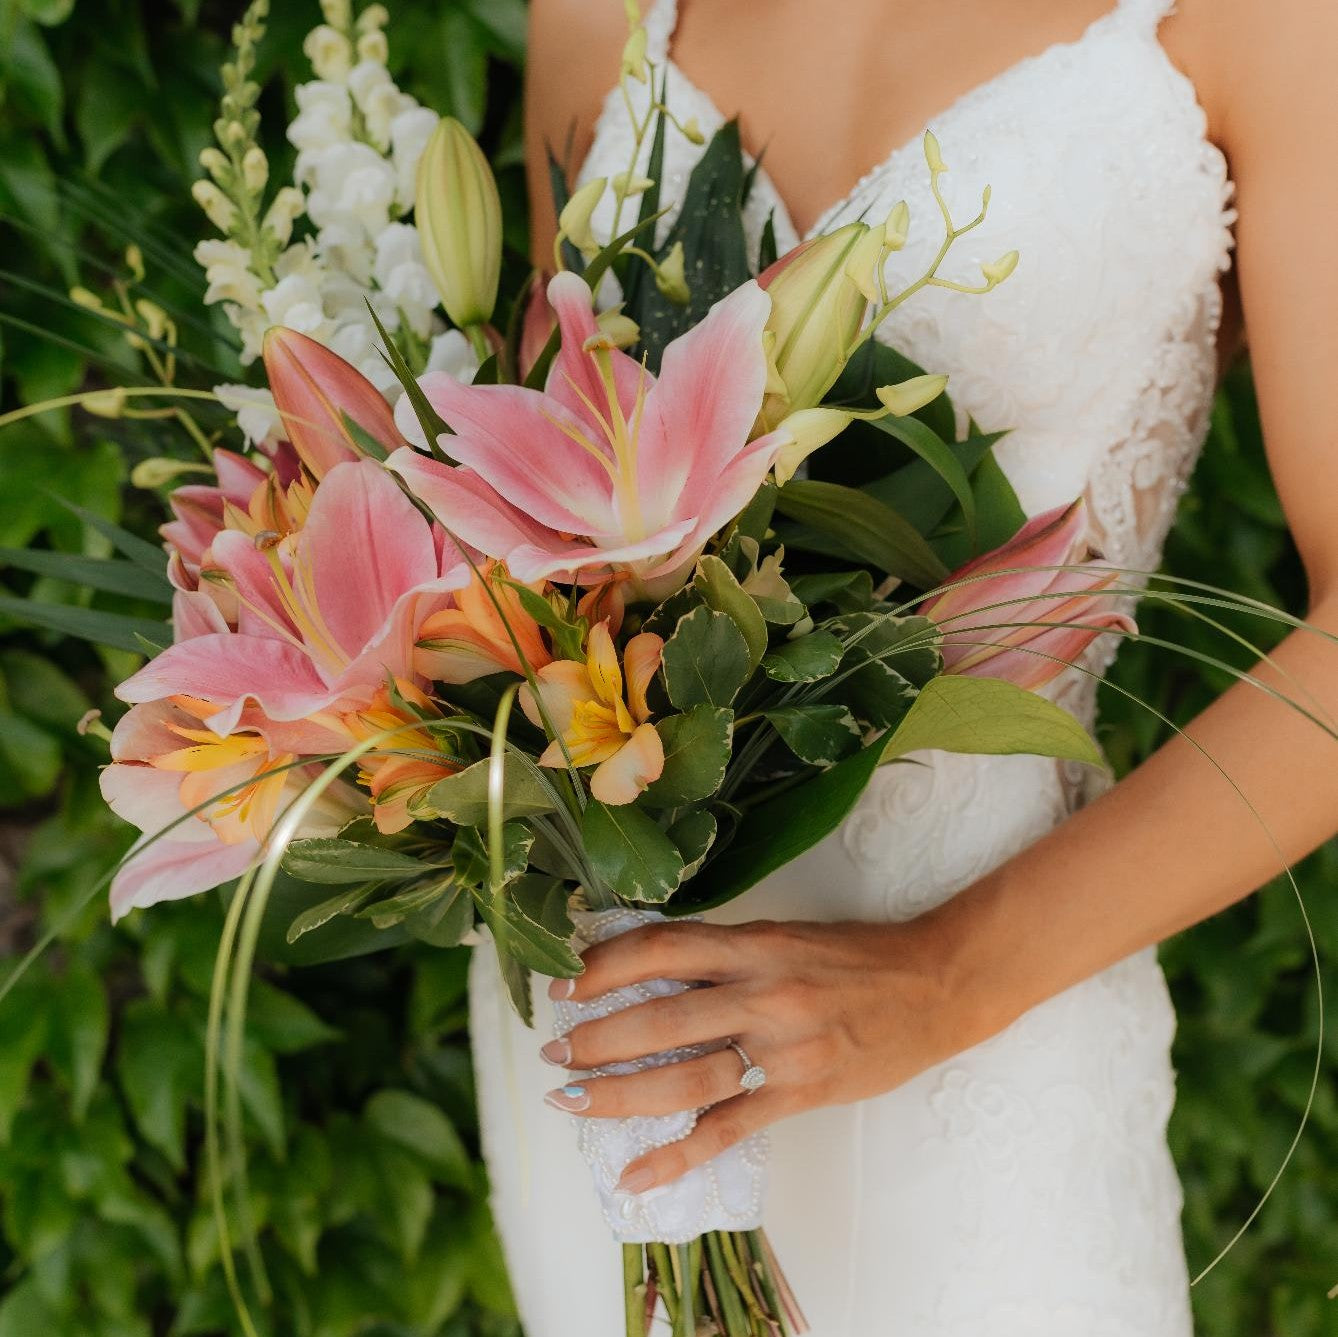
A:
<point x="671" y="276"/>
<point x="459" y="219"/>
<point x="933" y="156"/>
<point x="634" y="54"/>
<point x="817" y="310"/>
<point x="808" y="430"/>
<point x="574" y="220"/>
<point x="106" y="403"/>
<point x="910" y="396"/>
<point x="998" y="270"/>
<point x="692" y="131"/>
<point x="631" y="183"/>
<point x="616" y="329"/>
<point x="159" y="471"/>
<point x="897" y="227"/>
<point x="313" y="389"/>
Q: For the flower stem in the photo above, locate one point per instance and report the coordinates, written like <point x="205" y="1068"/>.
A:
<point x="634" y="1289"/>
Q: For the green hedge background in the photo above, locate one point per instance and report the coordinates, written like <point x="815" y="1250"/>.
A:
<point x="358" y="1094"/>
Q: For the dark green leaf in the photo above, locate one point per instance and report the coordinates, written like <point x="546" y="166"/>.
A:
<point x="696" y="752"/>
<point x="719" y="589"/>
<point x="706" y="660"/>
<point x="871" y="531"/>
<point x="936" y="453"/>
<point x="694" y="834"/>
<point x="469" y="853"/>
<point x="630" y="853"/>
<point x="424" y="1131"/>
<point x="331" y="860"/>
<point x="343" y="903"/>
<point x="116" y="630"/>
<point x="78" y="1036"/>
<point x="779" y="830"/>
<point x="805" y="659"/>
<point x="817" y="734"/>
<point x="97" y="573"/>
<point x="463" y="798"/>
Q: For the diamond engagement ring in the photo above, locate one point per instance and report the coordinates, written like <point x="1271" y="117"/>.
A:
<point x="753" y="1077"/>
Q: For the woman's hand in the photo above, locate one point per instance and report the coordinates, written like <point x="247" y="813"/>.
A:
<point x="833" y="1012"/>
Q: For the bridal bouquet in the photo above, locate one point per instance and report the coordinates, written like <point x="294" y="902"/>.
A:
<point x="555" y="629"/>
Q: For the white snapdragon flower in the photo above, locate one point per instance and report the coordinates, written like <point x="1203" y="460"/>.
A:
<point x="409" y="133"/>
<point x="256" y="413"/>
<point x="329" y="51"/>
<point x="325" y="116"/>
<point x="228" y="274"/>
<point x="295" y="301"/>
<point x="352" y="181"/>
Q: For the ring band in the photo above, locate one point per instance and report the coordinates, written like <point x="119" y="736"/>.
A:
<point x="753" y="1077"/>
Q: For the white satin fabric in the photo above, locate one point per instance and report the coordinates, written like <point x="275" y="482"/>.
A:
<point x="1024" y="1188"/>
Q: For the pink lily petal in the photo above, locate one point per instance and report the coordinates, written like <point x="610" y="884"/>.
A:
<point x="150" y="799"/>
<point x="365" y="545"/>
<point x="171" y="870"/>
<point x="194" y="613"/>
<point x="1047" y="654"/>
<point x="575" y="373"/>
<point x="233" y="670"/>
<point x="534" y="562"/>
<point x="238" y="478"/>
<point x="699" y="413"/>
<point x="466" y="504"/>
<point x="261" y="610"/>
<point x="636" y="764"/>
<point x="313" y="388"/>
<point x="510" y="435"/>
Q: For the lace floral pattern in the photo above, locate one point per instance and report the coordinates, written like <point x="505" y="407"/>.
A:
<point x="1024" y="1188"/>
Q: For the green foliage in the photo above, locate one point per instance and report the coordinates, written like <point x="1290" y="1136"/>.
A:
<point x="365" y="1179"/>
<point x="363" y="1154"/>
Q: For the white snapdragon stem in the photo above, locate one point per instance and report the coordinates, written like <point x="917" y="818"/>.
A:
<point x="725" y="1193"/>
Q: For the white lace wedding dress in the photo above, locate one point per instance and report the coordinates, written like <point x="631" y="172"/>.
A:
<point x="1024" y="1188"/>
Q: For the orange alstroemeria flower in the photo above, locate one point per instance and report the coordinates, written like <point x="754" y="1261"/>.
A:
<point x="457" y="645"/>
<point x="602" y="720"/>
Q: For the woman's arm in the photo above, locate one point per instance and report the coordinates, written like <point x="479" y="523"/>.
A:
<point x="841" y="1012"/>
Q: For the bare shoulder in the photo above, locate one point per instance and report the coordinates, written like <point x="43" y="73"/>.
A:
<point x="572" y="60"/>
<point x="1255" y="65"/>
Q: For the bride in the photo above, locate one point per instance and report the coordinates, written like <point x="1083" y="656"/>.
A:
<point x="956" y="998"/>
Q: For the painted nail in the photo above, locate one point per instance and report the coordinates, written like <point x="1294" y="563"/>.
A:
<point x="635" y="1181"/>
<point x="560" y="989"/>
<point x="556" y="1052"/>
<point x="574" y="1099"/>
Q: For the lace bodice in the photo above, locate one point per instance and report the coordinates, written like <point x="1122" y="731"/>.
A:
<point x="1023" y="1188"/>
<point x="1099" y="355"/>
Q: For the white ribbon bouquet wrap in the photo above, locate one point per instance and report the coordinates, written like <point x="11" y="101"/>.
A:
<point x="724" y="1194"/>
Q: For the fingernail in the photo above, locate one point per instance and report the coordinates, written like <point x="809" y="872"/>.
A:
<point x="560" y="989"/>
<point x="556" y="1052"/>
<point x="574" y="1099"/>
<point x="635" y="1181"/>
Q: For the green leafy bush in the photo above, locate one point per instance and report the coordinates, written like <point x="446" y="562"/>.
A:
<point x="367" y="1190"/>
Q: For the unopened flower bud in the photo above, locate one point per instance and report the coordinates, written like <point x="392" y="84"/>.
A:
<point x="808" y="430"/>
<point x="634" y="54"/>
<point x="932" y="154"/>
<point x="574" y="220"/>
<point x="618" y="330"/>
<point x="330" y="53"/>
<point x="628" y="184"/>
<point x="215" y="162"/>
<point x="156" y="323"/>
<point x="234" y="133"/>
<point x="671" y="276"/>
<point x="255" y="169"/>
<point x="897" y="227"/>
<point x="159" y="471"/>
<point x="106" y="403"/>
<point x="220" y="210"/>
<point x="692" y="131"/>
<point x="134" y="262"/>
<point x="909" y="397"/>
<point x="338" y="13"/>
<point x="996" y="271"/>
<point x="287" y="208"/>
<point x="459" y="217"/>
<point x="372" y="19"/>
<point x="90" y="300"/>
<point x="374" y="47"/>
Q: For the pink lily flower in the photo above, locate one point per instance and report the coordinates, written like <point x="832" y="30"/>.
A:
<point x="609" y="467"/>
<point x="313" y="389"/>
<point x="1018" y="583"/>
<point x="200" y="511"/>
<point x="166" y="762"/>
<point x="323" y="617"/>
<point x="603" y="723"/>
